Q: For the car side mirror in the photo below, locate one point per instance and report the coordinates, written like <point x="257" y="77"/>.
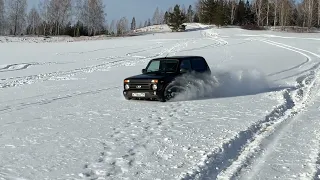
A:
<point x="144" y="71"/>
<point x="182" y="70"/>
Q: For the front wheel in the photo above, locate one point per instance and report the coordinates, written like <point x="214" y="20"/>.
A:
<point x="170" y="92"/>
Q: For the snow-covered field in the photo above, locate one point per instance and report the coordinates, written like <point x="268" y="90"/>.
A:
<point x="63" y="116"/>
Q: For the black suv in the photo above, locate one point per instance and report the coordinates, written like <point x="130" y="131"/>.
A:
<point x="159" y="73"/>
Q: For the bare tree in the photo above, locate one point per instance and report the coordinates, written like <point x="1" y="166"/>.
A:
<point x="268" y="11"/>
<point x="309" y="9"/>
<point x="17" y="15"/>
<point x="2" y="18"/>
<point x="34" y="21"/>
<point x="59" y="12"/>
<point x="122" y="26"/>
<point x="285" y="12"/>
<point x="44" y="14"/>
<point x="233" y="10"/>
<point x="318" y="21"/>
<point x="199" y="8"/>
<point x="93" y="15"/>
<point x="77" y="9"/>
<point x="258" y="6"/>
<point x="156" y="17"/>
<point x="112" y="26"/>
<point x="76" y="12"/>
<point x="275" y="7"/>
<point x="282" y="13"/>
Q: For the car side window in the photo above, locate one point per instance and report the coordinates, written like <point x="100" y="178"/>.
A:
<point x="154" y="66"/>
<point x="185" y="64"/>
<point x="198" y="64"/>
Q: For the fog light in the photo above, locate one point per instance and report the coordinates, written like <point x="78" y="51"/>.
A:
<point x="126" y="86"/>
<point x="154" y="87"/>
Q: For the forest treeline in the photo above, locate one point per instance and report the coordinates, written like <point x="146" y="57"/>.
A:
<point x="89" y="17"/>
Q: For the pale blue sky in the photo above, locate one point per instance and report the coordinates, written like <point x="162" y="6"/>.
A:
<point x="141" y="9"/>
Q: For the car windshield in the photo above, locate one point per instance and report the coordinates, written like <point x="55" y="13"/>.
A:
<point x="163" y="66"/>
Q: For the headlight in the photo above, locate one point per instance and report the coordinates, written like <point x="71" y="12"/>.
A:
<point x="126" y="86"/>
<point x="154" y="87"/>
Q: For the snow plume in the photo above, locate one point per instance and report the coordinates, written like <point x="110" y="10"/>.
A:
<point x="221" y="83"/>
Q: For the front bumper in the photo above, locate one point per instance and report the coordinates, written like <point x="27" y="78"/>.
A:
<point x="142" y="94"/>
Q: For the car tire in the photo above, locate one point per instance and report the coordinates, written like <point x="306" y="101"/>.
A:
<point x="169" y="93"/>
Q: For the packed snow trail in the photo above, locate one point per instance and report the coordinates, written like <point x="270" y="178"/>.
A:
<point x="64" y="116"/>
<point x="308" y="85"/>
<point x="292" y="152"/>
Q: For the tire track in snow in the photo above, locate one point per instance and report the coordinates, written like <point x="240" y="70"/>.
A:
<point x="287" y="47"/>
<point x="221" y="158"/>
<point x="22" y="66"/>
<point x="59" y="75"/>
<point x="317" y="168"/>
<point x="218" y="42"/>
<point x="62" y="75"/>
<point x="141" y="133"/>
<point x="143" y="50"/>
<point x="290" y="48"/>
<point x="15" y="67"/>
<point x="92" y="51"/>
<point x="106" y="166"/>
<point x="66" y="75"/>
<point x="300" y="98"/>
<point x="20" y="106"/>
<point x="226" y="162"/>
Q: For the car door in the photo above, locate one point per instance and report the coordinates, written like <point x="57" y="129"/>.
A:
<point x="199" y="65"/>
<point x="186" y="64"/>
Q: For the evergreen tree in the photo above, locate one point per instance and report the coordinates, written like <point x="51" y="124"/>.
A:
<point x="295" y="17"/>
<point x="133" y="24"/>
<point x="176" y="18"/>
<point x="161" y="17"/>
<point x="249" y="15"/>
<point x="221" y="10"/>
<point x="190" y="14"/>
<point x="208" y="8"/>
<point x="183" y="9"/>
<point x="166" y="17"/>
<point x="149" y="22"/>
<point x="196" y="18"/>
<point x="240" y="14"/>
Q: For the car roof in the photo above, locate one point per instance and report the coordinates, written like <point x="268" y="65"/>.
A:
<point x="177" y="57"/>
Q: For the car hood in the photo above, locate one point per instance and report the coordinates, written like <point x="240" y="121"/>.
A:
<point x="149" y="76"/>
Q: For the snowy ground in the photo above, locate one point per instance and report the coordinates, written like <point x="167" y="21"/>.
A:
<point x="63" y="116"/>
<point x="57" y="39"/>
